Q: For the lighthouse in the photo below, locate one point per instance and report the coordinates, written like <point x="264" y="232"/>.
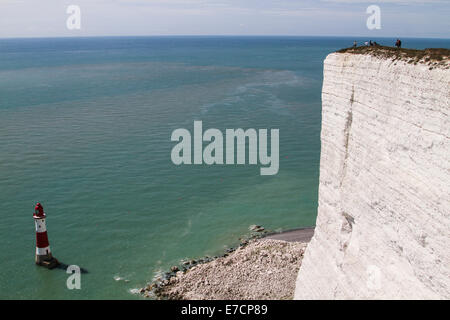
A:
<point x="43" y="254"/>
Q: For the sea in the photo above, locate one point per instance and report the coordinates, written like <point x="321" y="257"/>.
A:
<point x="85" y="129"/>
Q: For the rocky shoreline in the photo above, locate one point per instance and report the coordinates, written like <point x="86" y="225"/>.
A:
<point x="259" y="268"/>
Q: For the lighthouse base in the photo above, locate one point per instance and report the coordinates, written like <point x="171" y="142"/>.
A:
<point x="46" y="261"/>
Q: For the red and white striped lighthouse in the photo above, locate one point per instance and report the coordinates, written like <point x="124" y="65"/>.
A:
<point x="43" y="254"/>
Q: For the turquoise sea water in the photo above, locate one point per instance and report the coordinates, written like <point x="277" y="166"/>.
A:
<point x="85" y="126"/>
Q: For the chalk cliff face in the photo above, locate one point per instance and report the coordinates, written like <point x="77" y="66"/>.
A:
<point x="383" y="225"/>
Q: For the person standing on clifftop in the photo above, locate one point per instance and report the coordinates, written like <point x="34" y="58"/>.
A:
<point x="355" y="44"/>
<point x="398" y="43"/>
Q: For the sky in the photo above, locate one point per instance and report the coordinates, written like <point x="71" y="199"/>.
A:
<point x="398" y="18"/>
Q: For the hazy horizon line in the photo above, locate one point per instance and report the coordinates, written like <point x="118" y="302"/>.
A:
<point x="220" y="35"/>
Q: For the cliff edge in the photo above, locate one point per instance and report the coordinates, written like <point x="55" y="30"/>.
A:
<point x="383" y="225"/>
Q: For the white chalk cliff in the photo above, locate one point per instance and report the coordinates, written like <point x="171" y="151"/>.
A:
<point x="383" y="224"/>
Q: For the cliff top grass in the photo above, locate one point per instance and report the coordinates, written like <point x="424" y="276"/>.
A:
<point x="434" y="57"/>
